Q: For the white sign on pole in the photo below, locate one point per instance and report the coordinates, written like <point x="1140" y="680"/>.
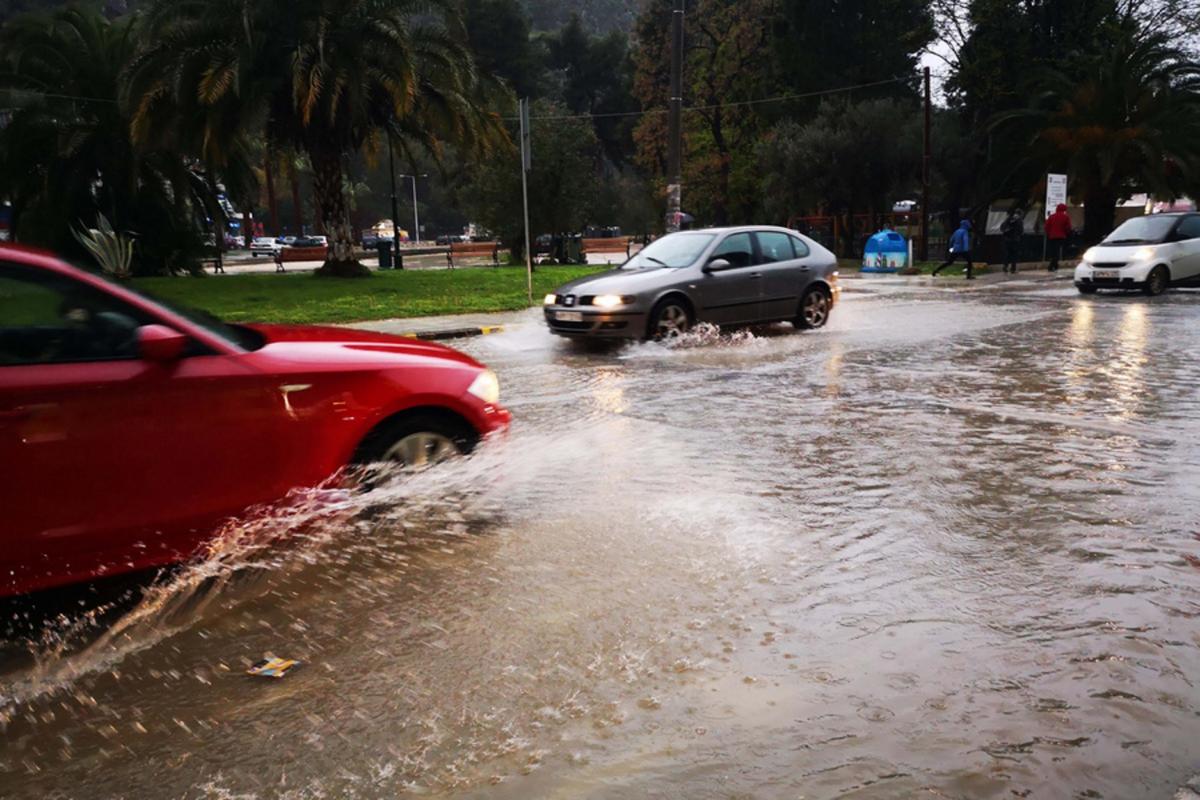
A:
<point x="1056" y="191"/>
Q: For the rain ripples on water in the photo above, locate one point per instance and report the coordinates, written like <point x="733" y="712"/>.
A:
<point x="946" y="544"/>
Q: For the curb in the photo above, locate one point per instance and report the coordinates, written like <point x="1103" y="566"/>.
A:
<point x="454" y="333"/>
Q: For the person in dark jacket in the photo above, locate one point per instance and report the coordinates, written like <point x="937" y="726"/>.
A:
<point x="1058" y="228"/>
<point x="1011" y="230"/>
<point x="960" y="245"/>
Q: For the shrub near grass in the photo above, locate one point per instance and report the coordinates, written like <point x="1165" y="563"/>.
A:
<point x="301" y="298"/>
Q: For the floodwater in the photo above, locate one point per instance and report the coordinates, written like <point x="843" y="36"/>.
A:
<point x="946" y="547"/>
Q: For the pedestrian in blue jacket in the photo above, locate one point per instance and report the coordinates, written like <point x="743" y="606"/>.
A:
<point x="960" y="245"/>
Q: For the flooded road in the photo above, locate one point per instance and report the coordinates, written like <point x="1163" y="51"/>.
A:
<point x="946" y="547"/>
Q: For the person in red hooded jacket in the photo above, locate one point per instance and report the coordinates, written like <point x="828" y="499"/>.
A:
<point x="1058" y="228"/>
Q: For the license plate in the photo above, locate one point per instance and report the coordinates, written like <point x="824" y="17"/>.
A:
<point x="568" y="316"/>
<point x="1103" y="274"/>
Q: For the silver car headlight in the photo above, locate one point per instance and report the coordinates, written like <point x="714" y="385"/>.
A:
<point x="611" y="301"/>
<point x="1090" y="255"/>
<point x="1144" y="253"/>
<point x="550" y="300"/>
<point x="486" y="387"/>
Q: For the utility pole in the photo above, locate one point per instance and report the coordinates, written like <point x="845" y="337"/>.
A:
<point x="396" y="263"/>
<point x="526" y="160"/>
<point x="925" y="159"/>
<point x="675" y="145"/>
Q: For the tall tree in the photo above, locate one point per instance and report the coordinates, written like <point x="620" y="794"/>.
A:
<point x="325" y="78"/>
<point x="824" y="44"/>
<point x="724" y="68"/>
<point x="1128" y="123"/>
<point x="499" y="36"/>
<point x="67" y="155"/>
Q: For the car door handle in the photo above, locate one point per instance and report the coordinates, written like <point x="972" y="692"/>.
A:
<point x="755" y="276"/>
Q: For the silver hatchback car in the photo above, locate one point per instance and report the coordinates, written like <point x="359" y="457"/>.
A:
<point x="726" y="276"/>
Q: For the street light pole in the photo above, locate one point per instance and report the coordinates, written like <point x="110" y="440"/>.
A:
<point x="416" y="212"/>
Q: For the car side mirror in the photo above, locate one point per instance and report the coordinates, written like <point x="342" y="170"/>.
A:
<point x="717" y="265"/>
<point x="160" y="344"/>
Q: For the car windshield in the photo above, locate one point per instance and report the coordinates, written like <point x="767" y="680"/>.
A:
<point x="237" y="335"/>
<point x="1141" y="230"/>
<point x="675" y="250"/>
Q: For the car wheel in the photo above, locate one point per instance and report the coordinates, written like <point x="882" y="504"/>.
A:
<point x="814" y="309"/>
<point x="416" y="442"/>
<point x="1085" y="288"/>
<point x="669" y="319"/>
<point x="1157" y="281"/>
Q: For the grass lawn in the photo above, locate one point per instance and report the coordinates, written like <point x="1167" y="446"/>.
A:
<point x="302" y="298"/>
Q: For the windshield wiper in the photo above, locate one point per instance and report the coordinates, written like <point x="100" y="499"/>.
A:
<point x="1124" y="241"/>
<point x="655" y="260"/>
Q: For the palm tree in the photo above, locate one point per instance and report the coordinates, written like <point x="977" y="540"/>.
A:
<point x="1129" y="123"/>
<point x="67" y="158"/>
<point x="324" y="77"/>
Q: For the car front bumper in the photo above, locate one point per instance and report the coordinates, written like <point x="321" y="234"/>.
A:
<point x="1112" y="276"/>
<point x="596" y="324"/>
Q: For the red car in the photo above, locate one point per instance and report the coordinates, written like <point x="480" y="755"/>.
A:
<point x="129" y="429"/>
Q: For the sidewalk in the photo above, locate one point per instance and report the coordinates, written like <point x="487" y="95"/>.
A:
<point x="450" y="326"/>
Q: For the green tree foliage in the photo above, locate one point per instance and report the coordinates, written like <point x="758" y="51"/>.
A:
<point x="562" y="182"/>
<point x="325" y="80"/>
<point x="725" y="66"/>
<point x="594" y="75"/>
<point x="1128" y="122"/>
<point x="851" y="158"/>
<point x="599" y="16"/>
<point x="500" y="39"/>
<point x="67" y="156"/>
<point x="822" y="44"/>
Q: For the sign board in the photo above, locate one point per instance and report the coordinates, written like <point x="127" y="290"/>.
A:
<point x="1056" y="191"/>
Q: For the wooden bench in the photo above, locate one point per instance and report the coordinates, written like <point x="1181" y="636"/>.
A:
<point x="290" y="254"/>
<point x="617" y="245"/>
<point x="462" y="250"/>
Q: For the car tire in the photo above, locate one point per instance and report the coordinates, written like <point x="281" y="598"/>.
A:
<point x="416" y="441"/>
<point x="669" y="319"/>
<point x="1157" y="281"/>
<point x="815" y="305"/>
<point x="1085" y="288"/>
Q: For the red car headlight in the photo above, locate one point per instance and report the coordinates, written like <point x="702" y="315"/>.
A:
<point x="486" y="387"/>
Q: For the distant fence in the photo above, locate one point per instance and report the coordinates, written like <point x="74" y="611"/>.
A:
<point x="846" y="235"/>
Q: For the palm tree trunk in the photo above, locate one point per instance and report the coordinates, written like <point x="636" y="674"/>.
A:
<point x="297" y="208"/>
<point x="334" y="211"/>
<point x="272" y="201"/>
<point x="1099" y="212"/>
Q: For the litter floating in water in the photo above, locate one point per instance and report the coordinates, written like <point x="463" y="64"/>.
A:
<point x="273" y="667"/>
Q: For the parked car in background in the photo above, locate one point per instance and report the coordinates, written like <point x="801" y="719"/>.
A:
<point x="130" y="428"/>
<point x="264" y="246"/>
<point x="309" y="241"/>
<point x="323" y="241"/>
<point x="1150" y="253"/>
<point x="286" y="240"/>
<point x="721" y="275"/>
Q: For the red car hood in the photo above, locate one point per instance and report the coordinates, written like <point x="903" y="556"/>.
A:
<point x="363" y="341"/>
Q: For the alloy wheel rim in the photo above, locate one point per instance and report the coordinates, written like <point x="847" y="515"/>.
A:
<point x="671" y="322"/>
<point x="420" y="450"/>
<point x="816" y="309"/>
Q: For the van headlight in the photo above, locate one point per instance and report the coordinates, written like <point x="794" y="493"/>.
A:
<point x="486" y="387"/>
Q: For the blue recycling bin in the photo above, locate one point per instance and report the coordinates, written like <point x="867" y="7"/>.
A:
<point x="886" y="251"/>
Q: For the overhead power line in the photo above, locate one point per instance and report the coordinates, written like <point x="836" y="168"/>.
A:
<point x="733" y="104"/>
